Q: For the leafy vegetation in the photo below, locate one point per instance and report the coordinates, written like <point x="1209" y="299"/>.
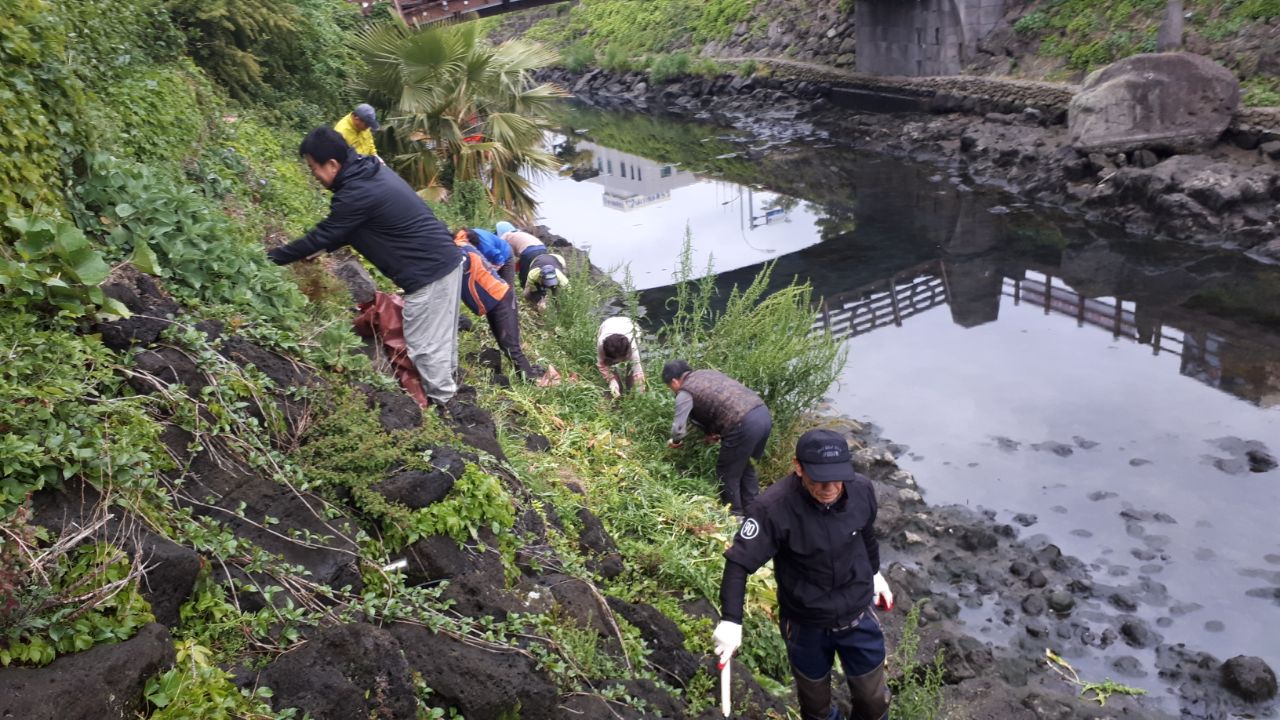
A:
<point x="463" y="109"/>
<point x="666" y="24"/>
<point x="1260" y="91"/>
<point x="1085" y="35"/>
<point x="917" y="688"/>
<point x="285" y="50"/>
<point x="71" y="596"/>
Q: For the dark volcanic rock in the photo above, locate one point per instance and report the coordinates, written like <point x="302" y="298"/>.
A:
<point x="476" y="426"/>
<point x="1136" y="634"/>
<point x="252" y="505"/>
<point x="105" y="681"/>
<point x="1250" y="678"/>
<point x="1061" y="601"/>
<point x="152" y="308"/>
<point x="483" y="684"/>
<point x="347" y="671"/>
<point x="397" y="411"/>
<point x="607" y="561"/>
<point x="534" y="442"/>
<point x="663" y="637"/>
<point x="170" y="574"/>
<point x="163" y="367"/>
<point x="169" y="570"/>
<point x="1260" y="461"/>
<point x="416" y="489"/>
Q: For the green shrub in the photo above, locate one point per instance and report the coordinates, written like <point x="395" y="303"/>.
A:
<point x="578" y="57"/>
<point x="1260" y="91"/>
<point x="72" y="600"/>
<point x="669" y="67"/>
<point x="38" y="95"/>
<point x="142" y="214"/>
<point x="1032" y="22"/>
<point x="765" y="341"/>
<point x="616" y="59"/>
<point x="158" y="112"/>
<point x="468" y="206"/>
<point x="1258" y="9"/>
<point x="917" y="688"/>
<point x="747" y="68"/>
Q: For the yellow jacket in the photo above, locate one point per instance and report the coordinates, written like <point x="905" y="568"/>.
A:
<point x="361" y="140"/>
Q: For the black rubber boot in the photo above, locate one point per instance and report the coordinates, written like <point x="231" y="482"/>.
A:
<point x="870" y="695"/>
<point x="815" y="697"/>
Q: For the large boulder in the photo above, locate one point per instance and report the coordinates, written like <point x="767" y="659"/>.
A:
<point x="481" y="683"/>
<point x="1176" y="102"/>
<point x="273" y="516"/>
<point x="105" y="681"/>
<point x="347" y="671"/>
<point x="1250" y="678"/>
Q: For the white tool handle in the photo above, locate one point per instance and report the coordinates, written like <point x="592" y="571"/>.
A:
<point x="724" y="690"/>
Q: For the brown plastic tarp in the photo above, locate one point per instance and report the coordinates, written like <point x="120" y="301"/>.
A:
<point x="383" y="319"/>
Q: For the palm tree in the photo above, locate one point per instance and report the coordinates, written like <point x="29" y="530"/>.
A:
<point x="461" y="108"/>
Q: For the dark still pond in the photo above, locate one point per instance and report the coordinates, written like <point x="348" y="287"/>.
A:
<point x="1120" y="399"/>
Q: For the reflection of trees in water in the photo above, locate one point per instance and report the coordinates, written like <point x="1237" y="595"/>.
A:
<point x="798" y="170"/>
<point x="834" y="221"/>
<point x="783" y="203"/>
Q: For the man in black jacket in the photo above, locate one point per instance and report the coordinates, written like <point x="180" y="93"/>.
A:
<point x="818" y="527"/>
<point x="729" y="413"/>
<point x="377" y="213"/>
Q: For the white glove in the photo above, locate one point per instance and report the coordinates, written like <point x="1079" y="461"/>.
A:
<point x="881" y="594"/>
<point x="728" y="638"/>
<point x="614" y="388"/>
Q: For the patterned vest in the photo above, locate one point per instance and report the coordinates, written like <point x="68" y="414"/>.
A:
<point x="719" y="401"/>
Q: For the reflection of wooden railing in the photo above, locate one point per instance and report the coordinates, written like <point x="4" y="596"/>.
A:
<point x="1109" y="314"/>
<point x="882" y="304"/>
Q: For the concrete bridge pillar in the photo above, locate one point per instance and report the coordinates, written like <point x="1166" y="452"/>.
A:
<point x="921" y="37"/>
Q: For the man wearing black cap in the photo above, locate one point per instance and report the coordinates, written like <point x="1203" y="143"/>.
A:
<point x="729" y="413"/>
<point x="818" y="526"/>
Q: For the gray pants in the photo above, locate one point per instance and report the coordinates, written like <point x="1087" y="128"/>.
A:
<point x="431" y="334"/>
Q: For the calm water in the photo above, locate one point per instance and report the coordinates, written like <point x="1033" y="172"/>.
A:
<point x="1030" y="365"/>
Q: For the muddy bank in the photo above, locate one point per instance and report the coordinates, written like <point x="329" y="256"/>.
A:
<point x="1005" y="134"/>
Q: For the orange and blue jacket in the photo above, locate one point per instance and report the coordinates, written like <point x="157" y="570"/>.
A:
<point x="481" y="289"/>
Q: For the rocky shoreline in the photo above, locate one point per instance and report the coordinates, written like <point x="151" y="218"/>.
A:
<point x="1009" y="135"/>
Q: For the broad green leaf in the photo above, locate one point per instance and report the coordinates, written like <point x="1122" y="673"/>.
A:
<point x="88" y="266"/>
<point x="113" y="309"/>
<point x="144" y="258"/>
<point x="70" y="240"/>
<point x="124" y="210"/>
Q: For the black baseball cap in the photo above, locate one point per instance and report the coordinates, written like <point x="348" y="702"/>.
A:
<point x="824" y="455"/>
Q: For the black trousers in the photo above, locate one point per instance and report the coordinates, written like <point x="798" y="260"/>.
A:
<point x="508" y="271"/>
<point x="739" y="484"/>
<point x="505" y="324"/>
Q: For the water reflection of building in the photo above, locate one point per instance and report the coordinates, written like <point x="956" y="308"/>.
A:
<point x="631" y="181"/>
<point x="1211" y="350"/>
